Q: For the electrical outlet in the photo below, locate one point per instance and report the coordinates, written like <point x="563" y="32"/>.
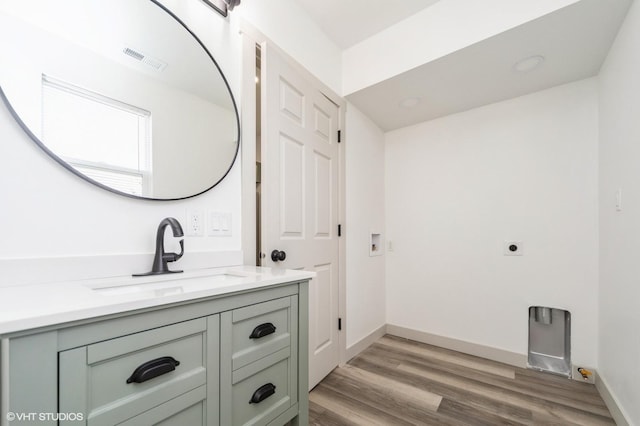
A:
<point x="583" y="374"/>
<point x="195" y="223"/>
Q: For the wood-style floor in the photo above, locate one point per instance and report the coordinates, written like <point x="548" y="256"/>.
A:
<point x="401" y="382"/>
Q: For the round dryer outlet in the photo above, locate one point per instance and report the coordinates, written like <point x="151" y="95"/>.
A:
<point x="513" y="248"/>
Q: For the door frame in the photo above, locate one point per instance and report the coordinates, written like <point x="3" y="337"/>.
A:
<point x="251" y="37"/>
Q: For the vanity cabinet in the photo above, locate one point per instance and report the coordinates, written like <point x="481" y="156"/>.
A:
<point x="235" y="359"/>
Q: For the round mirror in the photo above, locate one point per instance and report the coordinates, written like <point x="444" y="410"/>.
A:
<point x="120" y="92"/>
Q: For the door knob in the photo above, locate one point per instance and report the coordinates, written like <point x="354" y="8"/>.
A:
<point x="277" y="255"/>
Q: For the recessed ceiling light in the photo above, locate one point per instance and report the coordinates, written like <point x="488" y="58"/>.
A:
<point x="409" y="102"/>
<point x="528" y="64"/>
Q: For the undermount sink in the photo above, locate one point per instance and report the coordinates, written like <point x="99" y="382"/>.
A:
<point x="166" y="285"/>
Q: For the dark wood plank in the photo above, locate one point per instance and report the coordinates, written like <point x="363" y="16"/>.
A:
<point x="319" y="416"/>
<point x="495" y="407"/>
<point x="351" y="408"/>
<point x="467" y="415"/>
<point x="448" y="356"/>
<point x="378" y="398"/>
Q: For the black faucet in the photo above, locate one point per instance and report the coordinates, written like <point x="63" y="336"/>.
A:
<point x="160" y="259"/>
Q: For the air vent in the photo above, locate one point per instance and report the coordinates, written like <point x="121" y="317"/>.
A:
<point x="150" y="61"/>
<point x="136" y="55"/>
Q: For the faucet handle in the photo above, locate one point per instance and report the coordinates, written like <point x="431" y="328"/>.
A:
<point x="178" y="256"/>
<point x="172" y="257"/>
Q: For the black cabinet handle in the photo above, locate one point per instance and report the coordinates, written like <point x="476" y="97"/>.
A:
<point x="154" y="368"/>
<point x="277" y="255"/>
<point x="263" y="330"/>
<point x="263" y="392"/>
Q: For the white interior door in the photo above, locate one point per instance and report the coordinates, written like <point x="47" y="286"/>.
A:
<point x="300" y="193"/>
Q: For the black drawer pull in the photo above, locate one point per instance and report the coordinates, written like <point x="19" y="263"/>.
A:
<point x="263" y="392"/>
<point x="154" y="368"/>
<point x="263" y="330"/>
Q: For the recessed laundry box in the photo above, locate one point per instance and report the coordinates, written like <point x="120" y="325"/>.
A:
<point x="550" y="340"/>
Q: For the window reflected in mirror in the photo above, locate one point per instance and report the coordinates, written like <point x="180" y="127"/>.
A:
<point x="105" y="139"/>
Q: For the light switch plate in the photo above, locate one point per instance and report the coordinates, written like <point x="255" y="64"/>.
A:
<point x="619" y="200"/>
<point x="220" y="224"/>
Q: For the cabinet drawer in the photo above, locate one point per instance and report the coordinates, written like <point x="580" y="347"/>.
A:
<point x="94" y="379"/>
<point x="259" y="330"/>
<point x="268" y="383"/>
<point x="187" y="409"/>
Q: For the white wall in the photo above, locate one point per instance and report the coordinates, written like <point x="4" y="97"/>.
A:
<point x="619" y="345"/>
<point x="445" y="27"/>
<point x="458" y="187"/>
<point x="364" y="146"/>
<point x="286" y="24"/>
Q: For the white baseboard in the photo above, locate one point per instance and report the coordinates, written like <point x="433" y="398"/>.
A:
<point x="365" y="342"/>
<point x="488" y="352"/>
<point x="611" y="402"/>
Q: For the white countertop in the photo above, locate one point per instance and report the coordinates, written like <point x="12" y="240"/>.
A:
<point x="31" y="306"/>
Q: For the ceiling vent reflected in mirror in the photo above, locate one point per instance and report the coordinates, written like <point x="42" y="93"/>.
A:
<point x="152" y="62"/>
<point x="130" y="52"/>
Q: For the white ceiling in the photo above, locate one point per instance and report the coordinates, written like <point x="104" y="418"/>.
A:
<point x="574" y="41"/>
<point x="347" y="22"/>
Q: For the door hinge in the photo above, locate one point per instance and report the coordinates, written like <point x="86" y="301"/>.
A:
<point x="339" y="323"/>
<point x="339" y="136"/>
<point x="339" y="230"/>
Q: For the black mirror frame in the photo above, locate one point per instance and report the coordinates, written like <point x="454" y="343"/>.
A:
<point x="115" y="191"/>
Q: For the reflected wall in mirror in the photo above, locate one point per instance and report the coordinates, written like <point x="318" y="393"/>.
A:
<point x="120" y="92"/>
